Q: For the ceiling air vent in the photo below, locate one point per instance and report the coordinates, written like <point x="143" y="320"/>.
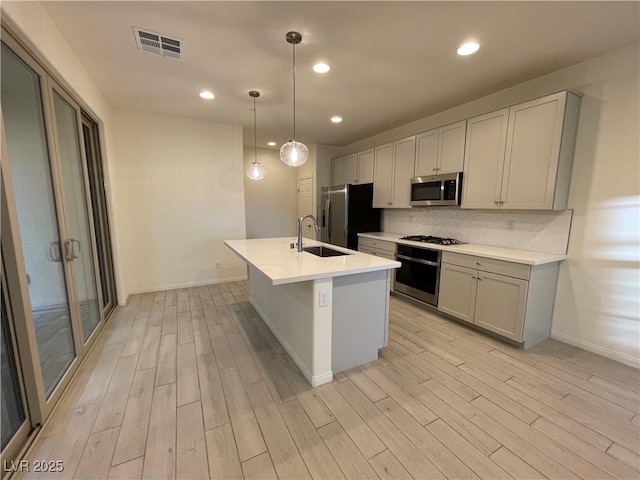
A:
<point x="153" y="42"/>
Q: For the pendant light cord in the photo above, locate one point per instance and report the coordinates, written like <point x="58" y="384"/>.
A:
<point x="294" y="91"/>
<point x="255" y="133"/>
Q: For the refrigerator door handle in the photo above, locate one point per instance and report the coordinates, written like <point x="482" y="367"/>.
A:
<point x="327" y="218"/>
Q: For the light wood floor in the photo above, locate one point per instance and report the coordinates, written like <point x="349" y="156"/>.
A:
<point x="191" y="384"/>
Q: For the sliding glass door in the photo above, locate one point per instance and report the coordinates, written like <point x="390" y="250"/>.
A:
<point x="80" y="246"/>
<point x="38" y="216"/>
<point x="54" y="300"/>
<point x="100" y="215"/>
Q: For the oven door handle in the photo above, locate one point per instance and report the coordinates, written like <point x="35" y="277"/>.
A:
<point x="417" y="260"/>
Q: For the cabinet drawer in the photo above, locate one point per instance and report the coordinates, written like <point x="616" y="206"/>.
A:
<point x="384" y="254"/>
<point x="365" y="249"/>
<point x="511" y="269"/>
<point x="377" y="244"/>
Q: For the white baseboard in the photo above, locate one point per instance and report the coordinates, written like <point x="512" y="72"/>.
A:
<point x="592" y="347"/>
<point x="314" y="380"/>
<point x="196" y="283"/>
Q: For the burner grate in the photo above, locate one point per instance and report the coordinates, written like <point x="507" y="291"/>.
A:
<point x="432" y="239"/>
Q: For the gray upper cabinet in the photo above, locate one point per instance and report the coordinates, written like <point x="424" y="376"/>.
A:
<point x="441" y="150"/>
<point x="350" y="169"/>
<point x="365" y="166"/>
<point x="484" y="159"/>
<point x="521" y="157"/>
<point x="337" y="171"/>
<point x="393" y="169"/>
<point x="354" y="168"/>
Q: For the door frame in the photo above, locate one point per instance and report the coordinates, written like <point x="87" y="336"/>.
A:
<point x="20" y="438"/>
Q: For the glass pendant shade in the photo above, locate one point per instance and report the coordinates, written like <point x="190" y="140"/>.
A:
<point x="294" y="153"/>
<point x="256" y="171"/>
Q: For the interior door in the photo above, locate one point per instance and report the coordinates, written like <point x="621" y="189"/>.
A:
<point x="305" y="205"/>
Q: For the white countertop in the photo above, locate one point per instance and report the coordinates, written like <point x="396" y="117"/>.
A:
<point x="282" y="264"/>
<point x="527" y="257"/>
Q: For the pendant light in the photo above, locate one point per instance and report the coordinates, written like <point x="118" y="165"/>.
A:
<point x="255" y="171"/>
<point x="294" y="153"/>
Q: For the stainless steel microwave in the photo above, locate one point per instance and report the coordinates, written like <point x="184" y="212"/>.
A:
<point x="436" y="190"/>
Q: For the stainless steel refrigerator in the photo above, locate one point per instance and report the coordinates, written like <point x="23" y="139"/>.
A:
<point x="345" y="211"/>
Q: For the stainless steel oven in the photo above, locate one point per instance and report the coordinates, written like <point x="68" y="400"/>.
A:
<point x="419" y="275"/>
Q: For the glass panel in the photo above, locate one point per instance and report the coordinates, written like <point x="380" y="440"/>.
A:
<point x="426" y="191"/>
<point x="76" y="212"/>
<point x="100" y="218"/>
<point x="26" y="144"/>
<point x="11" y="408"/>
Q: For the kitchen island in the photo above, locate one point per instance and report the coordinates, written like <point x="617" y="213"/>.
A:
<point x="329" y="313"/>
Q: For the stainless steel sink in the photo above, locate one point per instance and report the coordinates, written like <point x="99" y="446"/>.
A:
<point x="322" y="251"/>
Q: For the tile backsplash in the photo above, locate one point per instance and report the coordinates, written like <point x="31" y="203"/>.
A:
<point x="538" y="230"/>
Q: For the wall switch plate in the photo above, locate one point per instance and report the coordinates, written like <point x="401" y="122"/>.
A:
<point x="217" y="265"/>
<point x="510" y="224"/>
<point x="324" y="298"/>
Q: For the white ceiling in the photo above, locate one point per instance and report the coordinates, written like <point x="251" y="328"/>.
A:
<point x="392" y="62"/>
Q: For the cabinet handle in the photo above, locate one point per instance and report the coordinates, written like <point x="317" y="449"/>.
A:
<point x="501" y="202"/>
<point x="479" y="279"/>
<point x="478" y="263"/>
<point x="473" y="277"/>
<point x="497" y="202"/>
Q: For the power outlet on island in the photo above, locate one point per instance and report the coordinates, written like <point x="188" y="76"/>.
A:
<point x="324" y="298"/>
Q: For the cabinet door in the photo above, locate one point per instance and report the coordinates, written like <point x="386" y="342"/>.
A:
<point x="533" y="149"/>
<point x="365" y="249"/>
<point x="427" y="153"/>
<point x="484" y="160"/>
<point x="404" y="156"/>
<point x="500" y="304"/>
<point x="383" y="176"/>
<point x="451" y="147"/>
<point x="365" y="166"/>
<point x="337" y="171"/>
<point x="457" y="295"/>
<point x="351" y="169"/>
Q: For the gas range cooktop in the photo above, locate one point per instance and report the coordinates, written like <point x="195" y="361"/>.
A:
<point x="431" y="239"/>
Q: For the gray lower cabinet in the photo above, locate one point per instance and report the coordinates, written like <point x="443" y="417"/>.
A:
<point x="510" y="299"/>
<point x="379" y="248"/>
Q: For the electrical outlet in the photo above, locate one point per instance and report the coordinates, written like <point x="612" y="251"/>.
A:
<point x="510" y="224"/>
<point x="324" y="298"/>
<point x="217" y="265"/>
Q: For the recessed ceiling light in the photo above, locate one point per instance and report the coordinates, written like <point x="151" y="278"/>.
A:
<point x="336" y="119"/>
<point x="321" y="68"/>
<point x="468" y="48"/>
<point x="207" y="95"/>
<point x="272" y="144"/>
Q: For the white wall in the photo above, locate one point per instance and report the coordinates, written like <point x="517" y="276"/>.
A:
<point x="597" y="302"/>
<point x="35" y="28"/>
<point x="179" y="185"/>
<point x="270" y="203"/>
<point x="597" y="305"/>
